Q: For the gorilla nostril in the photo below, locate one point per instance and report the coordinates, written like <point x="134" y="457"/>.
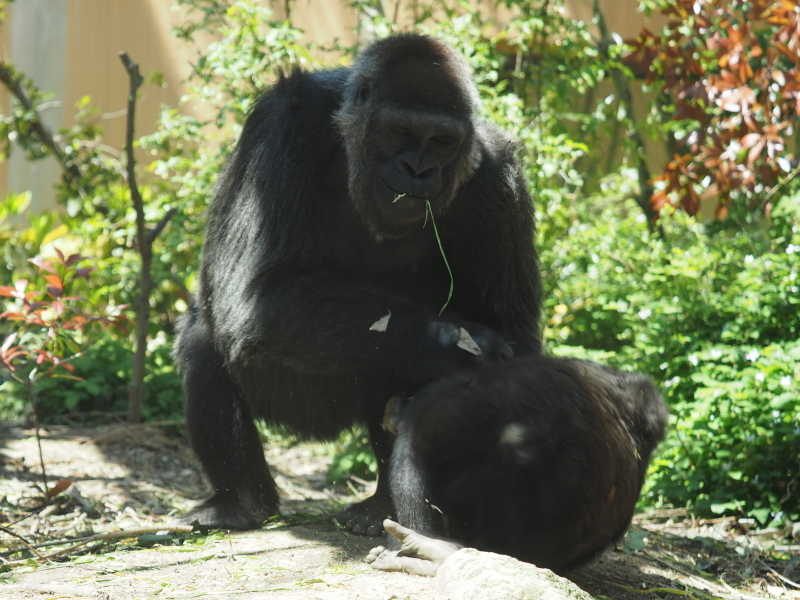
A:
<point x="409" y="168"/>
<point x="406" y="168"/>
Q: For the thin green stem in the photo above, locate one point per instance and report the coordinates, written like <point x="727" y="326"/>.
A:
<point x="444" y="256"/>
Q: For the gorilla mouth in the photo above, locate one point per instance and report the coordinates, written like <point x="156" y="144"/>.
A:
<point x="401" y="208"/>
<point x="405" y="196"/>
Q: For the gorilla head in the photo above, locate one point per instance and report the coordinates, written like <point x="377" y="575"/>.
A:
<point x="409" y="129"/>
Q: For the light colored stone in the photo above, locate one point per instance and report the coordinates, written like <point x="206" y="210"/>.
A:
<point x="473" y="575"/>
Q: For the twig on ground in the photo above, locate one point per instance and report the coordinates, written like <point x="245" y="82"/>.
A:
<point x="26" y="544"/>
<point x="101" y="537"/>
<point x="122" y="430"/>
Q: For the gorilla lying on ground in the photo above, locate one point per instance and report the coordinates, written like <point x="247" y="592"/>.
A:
<point x="539" y="458"/>
<point x="356" y="201"/>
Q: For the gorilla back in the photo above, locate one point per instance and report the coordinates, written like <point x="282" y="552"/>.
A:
<point x="540" y="458"/>
<point x="319" y="228"/>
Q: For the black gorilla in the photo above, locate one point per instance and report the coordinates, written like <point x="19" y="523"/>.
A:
<point x="319" y="229"/>
<point x="540" y="458"/>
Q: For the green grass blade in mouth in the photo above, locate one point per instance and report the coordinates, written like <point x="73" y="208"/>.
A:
<point x="441" y="251"/>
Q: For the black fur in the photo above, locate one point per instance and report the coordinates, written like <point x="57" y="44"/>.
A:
<point x="539" y="458"/>
<point x="318" y="229"/>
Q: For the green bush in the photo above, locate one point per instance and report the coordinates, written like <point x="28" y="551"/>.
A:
<point x="352" y="455"/>
<point x="713" y="314"/>
<point x="104" y="371"/>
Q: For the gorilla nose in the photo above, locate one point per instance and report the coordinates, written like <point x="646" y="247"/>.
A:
<point x="417" y="169"/>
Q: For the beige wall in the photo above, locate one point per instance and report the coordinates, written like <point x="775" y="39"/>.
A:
<point x="71" y="47"/>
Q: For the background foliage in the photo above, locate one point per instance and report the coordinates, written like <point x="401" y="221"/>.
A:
<point x="709" y="309"/>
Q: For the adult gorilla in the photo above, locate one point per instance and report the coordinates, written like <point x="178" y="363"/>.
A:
<point x="318" y="230"/>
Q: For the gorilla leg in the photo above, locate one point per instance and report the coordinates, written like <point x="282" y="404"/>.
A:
<point x="367" y="517"/>
<point x="225" y="439"/>
<point x="411" y="492"/>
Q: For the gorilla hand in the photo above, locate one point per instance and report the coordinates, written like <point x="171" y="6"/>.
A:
<point x="418" y="554"/>
<point x="454" y="346"/>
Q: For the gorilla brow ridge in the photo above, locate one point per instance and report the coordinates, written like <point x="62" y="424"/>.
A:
<point x="439" y="117"/>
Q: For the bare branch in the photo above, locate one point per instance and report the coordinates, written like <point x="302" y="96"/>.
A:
<point x="13" y="81"/>
<point x="156" y="231"/>
<point x="623" y="89"/>
<point x="145" y="248"/>
<point x="135" y="82"/>
<point x="102" y="537"/>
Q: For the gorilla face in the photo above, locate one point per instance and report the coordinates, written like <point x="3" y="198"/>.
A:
<point x="408" y="126"/>
<point x="414" y="160"/>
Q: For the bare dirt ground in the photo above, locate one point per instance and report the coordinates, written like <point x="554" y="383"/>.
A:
<point x="130" y="480"/>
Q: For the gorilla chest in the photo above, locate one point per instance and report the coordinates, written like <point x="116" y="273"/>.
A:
<point x="411" y="267"/>
<point x="350" y="248"/>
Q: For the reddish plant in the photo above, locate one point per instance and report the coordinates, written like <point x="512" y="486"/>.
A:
<point x="731" y="71"/>
<point x="50" y="318"/>
<point x="49" y="322"/>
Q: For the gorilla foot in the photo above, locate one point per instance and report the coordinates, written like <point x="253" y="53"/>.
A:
<point x="366" y="518"/>
<point x="418" y="554"/>
<point x="226" y="513"/>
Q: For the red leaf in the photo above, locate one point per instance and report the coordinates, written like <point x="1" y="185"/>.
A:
<point x="74" y="258"/>
<point x="55" y="281"/>
<point x="59" y="487"/>
<point x="58" y="307"/>
<point x="84" y="272"/>
<point x="44" y="265"/>
<point x="750" y="140"/>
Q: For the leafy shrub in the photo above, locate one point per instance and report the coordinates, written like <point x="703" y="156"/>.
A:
<point x="104" y="371"/>
<point x="735" y="447"/>
<point x="713" y="314"/>
<point x="353" y="456"/>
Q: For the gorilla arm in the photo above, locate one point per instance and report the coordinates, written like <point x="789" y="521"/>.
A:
<point x="322" y="322"/>
<point x="492" y="247"/>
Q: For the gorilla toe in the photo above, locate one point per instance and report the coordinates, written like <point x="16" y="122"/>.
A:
<point x="223" y="513"/>
<point x="366" y="518"/>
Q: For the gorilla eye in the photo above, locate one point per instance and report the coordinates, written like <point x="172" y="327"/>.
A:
<point x="400" y="133"/>
<point x="444" y="140"/>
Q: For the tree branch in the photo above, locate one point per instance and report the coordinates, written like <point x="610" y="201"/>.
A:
<point x="145" y="248"/>
<point x="156" y="231"/>
<point x="623" y="89"/>
<point x="135" y="82"/>
<point x="13" y="82"/>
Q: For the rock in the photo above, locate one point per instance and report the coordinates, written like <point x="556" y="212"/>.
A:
<point x="473" y="575"/>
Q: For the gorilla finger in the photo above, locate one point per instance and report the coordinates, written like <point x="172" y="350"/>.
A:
<point x="375" y="553"/>
<point x="396" y="530"/>
<point x="495" y="347"/>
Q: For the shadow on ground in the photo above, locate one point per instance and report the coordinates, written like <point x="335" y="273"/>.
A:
<point x="133" y="478"/>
